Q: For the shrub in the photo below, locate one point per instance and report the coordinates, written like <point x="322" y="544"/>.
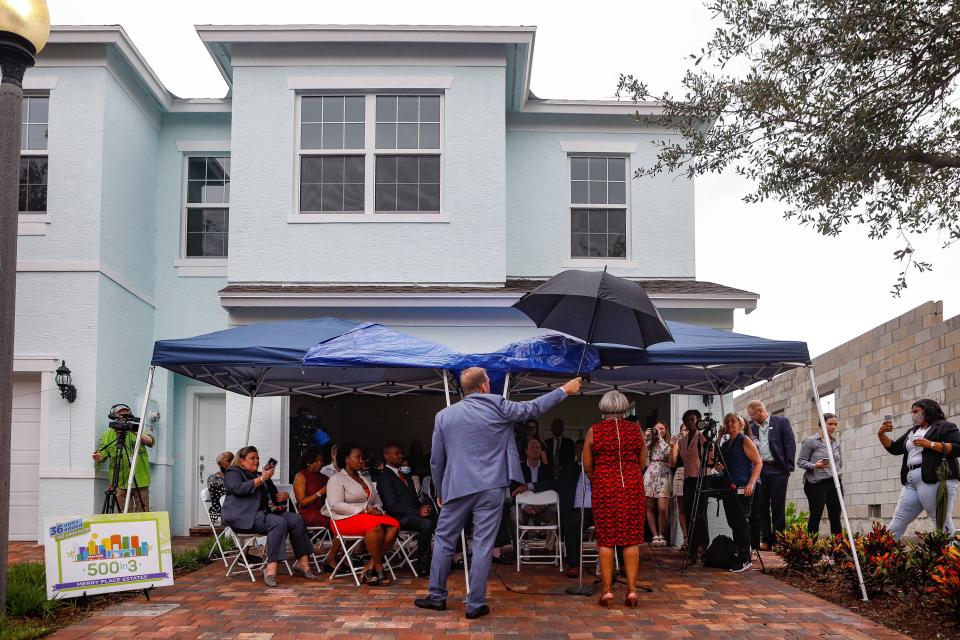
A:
<point x="800" y="550"/>
<point x="27" y="592"/>
<point x="946" y="578"/>
<point x="838" y="548"/>
<point x="923" y="555"/>
<point x="795" y="518"/>
<point x="883" y="561"/>
<point x="197" y="557"/>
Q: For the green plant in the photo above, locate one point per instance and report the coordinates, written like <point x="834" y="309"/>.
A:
<point x="883" y="561"/>
<point x="27" y="592"/>
<point x="946" y="579"/>
<point x="795" y="518"/>
<point x="923" y="555"/>
<point x="22" y="629"/>
<point x="800" y="550"/>
<point x="197" y="557"/>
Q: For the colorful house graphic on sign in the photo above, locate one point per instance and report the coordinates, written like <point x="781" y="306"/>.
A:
<point x="109" y="548"/>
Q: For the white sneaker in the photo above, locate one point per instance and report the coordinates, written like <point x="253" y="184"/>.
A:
<point x="746" y="566"/>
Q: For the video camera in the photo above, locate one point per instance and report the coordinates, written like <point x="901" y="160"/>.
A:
<point x="122" y="422"/>
<point x="708" y="426"/>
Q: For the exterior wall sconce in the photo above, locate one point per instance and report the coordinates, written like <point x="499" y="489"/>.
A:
<point x="67" y="391"/>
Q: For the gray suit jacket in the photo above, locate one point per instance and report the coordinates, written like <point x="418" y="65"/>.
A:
<point x="473" y="445"/>
<point x="242" y="503"/>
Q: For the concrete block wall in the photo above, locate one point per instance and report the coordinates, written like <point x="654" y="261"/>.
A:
<point x="913" y="356"/>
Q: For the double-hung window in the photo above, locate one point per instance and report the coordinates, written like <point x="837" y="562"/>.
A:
<point x="370" y="154"/>
<point x="33" y="154"/>
<point x="207" y="207"/>
<point x="598" y="207"/>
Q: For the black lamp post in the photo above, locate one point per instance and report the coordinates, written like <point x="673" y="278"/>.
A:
<point x="67" y="391"/>
<point x="24" y="27"/>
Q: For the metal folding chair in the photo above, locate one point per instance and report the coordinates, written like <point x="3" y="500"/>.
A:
<point x="318" y="535"/>
<point x="245" y="541"/>
<point x="218" y="536"/>
<point x="541" y="498"/>
<point x="404" y="546"/>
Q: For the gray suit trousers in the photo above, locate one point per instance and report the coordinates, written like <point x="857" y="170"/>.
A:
<point x="486" y="508"/>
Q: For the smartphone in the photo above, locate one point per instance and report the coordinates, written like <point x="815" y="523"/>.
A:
<point x="887" y="418"/>
<point x="271" y="463"/>
<point x="826" y="460"/>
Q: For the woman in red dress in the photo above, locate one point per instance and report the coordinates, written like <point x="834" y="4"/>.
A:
<point x="614" y="456"/>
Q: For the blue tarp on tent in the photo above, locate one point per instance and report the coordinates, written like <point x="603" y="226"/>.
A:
<point x="701" y="360"/>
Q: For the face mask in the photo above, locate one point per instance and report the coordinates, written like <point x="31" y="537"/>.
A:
<point x="917" y="419"/>
<point x="405" y="470"/>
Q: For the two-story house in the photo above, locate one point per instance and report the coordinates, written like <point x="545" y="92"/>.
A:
<point x="403" y="175"/>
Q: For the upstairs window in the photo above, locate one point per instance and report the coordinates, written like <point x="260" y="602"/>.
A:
<point x="370" y="154"/>
<point x="598" y="207"/>
<point x="33" y="154"/>
<point x="207" y="207"/>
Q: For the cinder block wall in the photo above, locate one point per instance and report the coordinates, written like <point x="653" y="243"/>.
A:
<point x="916" y="355"/>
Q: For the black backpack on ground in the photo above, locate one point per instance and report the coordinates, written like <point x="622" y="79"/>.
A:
<point x="721" y="554"/>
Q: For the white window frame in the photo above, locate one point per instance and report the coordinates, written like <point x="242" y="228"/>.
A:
<point x="34" y="223"/>
<point x="626" y="260"/>
<point x="198" y="266"/>
<point x="370" y="153"/>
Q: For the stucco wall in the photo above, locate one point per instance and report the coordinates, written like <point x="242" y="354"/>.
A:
<point x="883" y="371"/>
<point x="661" y="209"/>
<point x="264" y="247"/>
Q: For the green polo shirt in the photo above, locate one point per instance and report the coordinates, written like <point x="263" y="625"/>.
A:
<point x="108" y="447"/>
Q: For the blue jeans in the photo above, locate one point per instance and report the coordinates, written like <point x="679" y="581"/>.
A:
<point x="917" y="496"/>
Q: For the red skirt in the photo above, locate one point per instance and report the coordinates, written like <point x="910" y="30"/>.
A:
<point x="361" y="523"/>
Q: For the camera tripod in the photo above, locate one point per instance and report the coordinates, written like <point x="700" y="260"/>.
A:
<point x="701" y="495"/>
<point x="110" y="502"/>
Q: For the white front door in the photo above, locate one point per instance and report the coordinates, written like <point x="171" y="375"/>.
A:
<point x="210" y="425"/>
<point x="25" y="457"/>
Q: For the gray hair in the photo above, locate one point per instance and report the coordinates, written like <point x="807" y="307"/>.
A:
<point x="614" y="403"/>
<point x="224" y="458"/>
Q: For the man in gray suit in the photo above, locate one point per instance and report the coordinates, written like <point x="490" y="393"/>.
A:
<point x="474" y="458"/>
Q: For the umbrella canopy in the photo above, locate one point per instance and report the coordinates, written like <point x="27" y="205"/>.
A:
<point x="596" y="306"/>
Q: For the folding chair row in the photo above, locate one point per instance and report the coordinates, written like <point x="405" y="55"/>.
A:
<point x="528" y="544"/>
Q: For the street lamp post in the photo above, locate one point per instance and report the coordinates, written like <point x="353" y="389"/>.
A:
<point x="24" y="27"/>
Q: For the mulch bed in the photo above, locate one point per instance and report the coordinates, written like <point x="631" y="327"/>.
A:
<point x="919" y="617"/>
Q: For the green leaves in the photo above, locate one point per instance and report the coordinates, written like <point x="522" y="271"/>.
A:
<point x="842" y="109"/>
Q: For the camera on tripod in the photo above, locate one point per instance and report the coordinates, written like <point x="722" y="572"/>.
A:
<point x="708" y="426"/>
<point x="122" y="419"/>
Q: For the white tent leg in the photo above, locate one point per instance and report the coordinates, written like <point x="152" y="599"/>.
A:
<point x="506" y="385"/>
<point x="136" y="445"/>
<point x="246" y="439"/>
<point x="463" y="534"/>
<point x="836" y="480"/>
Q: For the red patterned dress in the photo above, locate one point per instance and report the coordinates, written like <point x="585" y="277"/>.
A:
<point x="617" y="483"/>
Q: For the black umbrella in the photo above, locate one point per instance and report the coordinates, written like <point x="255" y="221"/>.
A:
<point x="596" y="307"/>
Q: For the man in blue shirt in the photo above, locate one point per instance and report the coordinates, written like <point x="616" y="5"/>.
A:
<point x="778" y="450"/>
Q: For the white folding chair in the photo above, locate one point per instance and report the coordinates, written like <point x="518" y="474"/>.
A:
<point x="348" y="544"/>
<point x="217" y="535"/>
<point x="545" y="499"/>
<point x="404" y="545"/>
<point x="245" y="542"/>
<point x="318" y="535"/>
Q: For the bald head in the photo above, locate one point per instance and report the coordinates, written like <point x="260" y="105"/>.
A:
<point x="474" y="380"/>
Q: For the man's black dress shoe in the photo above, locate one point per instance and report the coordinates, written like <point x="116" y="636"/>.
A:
<point x="427" y="603"/>
<point x="479" y="612"/>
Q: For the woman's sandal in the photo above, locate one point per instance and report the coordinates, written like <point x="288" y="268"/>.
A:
<point x="606" y="599"/>
<point x="369" y="577"/>
<point x="631" y="600"/>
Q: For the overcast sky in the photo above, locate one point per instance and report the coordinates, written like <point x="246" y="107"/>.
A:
<point x="821" y="290"/>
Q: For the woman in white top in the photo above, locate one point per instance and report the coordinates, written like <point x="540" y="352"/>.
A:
<point x="354" y="509"/>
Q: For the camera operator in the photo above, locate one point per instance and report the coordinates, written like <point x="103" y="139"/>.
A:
<point x="690" y="449"/>
<point x="738" y="483"/>
<point x="122" y="416"/>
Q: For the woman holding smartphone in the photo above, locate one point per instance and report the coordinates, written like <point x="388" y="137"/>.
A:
<point x="924" y="446"/>
<point x="818" y="477"/>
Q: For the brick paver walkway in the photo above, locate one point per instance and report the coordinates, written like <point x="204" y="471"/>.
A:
<point x="704" y="603"/>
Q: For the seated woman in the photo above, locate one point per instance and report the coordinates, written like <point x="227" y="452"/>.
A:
<point x="355" y="511"/>
<point x="310" y="489"/>
<point x="215" y="485"/>
<point x="246" y="510"/>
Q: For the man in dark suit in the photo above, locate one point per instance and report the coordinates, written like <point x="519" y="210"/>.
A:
<point x="778" y="449"/>
<point x="537" y="477"/>
<point x="571" y="484"/>
<point x="560" y="450"/>
<point x="400" y="500"/>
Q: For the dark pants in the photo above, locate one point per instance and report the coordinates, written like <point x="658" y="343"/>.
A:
<point x="277" y="526"/>
<point x="819" y="494"/>
<point x="769" y="506"/>
<point x="736" y="507"/>
<point x="698" y="534"/>
<point x="424" y="528"/>
<point x="572" y="532"/>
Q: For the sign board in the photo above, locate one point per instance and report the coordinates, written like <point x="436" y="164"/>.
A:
<point x="105" y="553"/>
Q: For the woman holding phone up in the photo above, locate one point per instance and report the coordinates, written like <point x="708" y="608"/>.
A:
<point x="930" y="440"/>
<point x="818" y="477"/>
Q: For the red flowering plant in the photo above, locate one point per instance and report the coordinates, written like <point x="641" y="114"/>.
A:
<point x="923" y="555"/>
<point x="800" y="550"/>
<point x="946" y="579"/>
<point x="883" y="560"/>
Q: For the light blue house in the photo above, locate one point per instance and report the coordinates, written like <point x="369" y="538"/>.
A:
<point x="403" y="175"/>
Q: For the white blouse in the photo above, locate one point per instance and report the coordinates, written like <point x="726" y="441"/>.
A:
<point x="915" y="453"/>
<point x="346" y="497"/>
